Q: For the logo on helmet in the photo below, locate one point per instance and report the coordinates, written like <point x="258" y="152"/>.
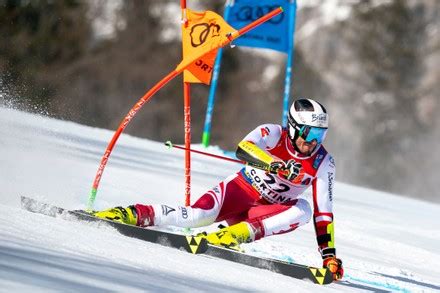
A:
<point x="319" y="118"/>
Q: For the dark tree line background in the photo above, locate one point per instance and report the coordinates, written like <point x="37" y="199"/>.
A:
<point x="377" y="71"/>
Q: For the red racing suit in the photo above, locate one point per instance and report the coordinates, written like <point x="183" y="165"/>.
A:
<point x="270" y="203"/>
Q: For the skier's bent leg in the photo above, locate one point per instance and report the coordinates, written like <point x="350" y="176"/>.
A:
<point x="230" y="197"/>
<point x="267" y="220"/>
<point x="202" y="213"/>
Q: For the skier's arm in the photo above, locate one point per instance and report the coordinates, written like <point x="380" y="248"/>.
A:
<point x="323" y="217"/>
<point x="323" y="208"/>
<point x="253" y="155"/>
<point x="252" y="148"/>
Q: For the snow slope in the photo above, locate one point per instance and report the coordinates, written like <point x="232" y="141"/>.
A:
<point x="387" y="243"/>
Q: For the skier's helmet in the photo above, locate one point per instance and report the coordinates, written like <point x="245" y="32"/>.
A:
<point x="307" y="119"/>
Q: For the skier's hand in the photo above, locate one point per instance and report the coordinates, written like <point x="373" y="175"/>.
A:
<point x="335" y="266"/>
<point x="289" y="170"/>
<point x="293" y="169"/>
<point x="276" y="167"/>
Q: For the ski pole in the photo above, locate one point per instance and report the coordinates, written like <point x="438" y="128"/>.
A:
<point x="169" y="144"/>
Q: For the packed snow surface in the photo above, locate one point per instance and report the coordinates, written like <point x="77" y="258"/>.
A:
<point x="387" y="242"/>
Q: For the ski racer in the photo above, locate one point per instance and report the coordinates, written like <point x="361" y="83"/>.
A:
<point x="263" y="198"/>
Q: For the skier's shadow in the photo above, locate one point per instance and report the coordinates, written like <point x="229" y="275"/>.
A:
<point x="398" y="278"/>
<point x="45" y="269"/>
<point x="411" y="281"/>
<point x="361" y="287"/>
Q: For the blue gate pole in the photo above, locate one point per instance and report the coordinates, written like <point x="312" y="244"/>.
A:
<point x="211" y="98"/>
<point x="289" y="62"/>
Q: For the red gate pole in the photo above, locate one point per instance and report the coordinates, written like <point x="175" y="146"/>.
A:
<point x="187" y="121"/>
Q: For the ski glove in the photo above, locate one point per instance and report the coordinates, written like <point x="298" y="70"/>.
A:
<point x="276" y="166"/>
<point x="335" y="266"/>
<point x="289" y="170"/>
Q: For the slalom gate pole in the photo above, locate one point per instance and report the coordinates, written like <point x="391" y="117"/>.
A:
<point x="179" y="69"/>
<point x="289" y="61"/>
<point x="184" y="18"/>
<point x="206" y="136"/>
<point x="121" y="128"/>
<point x="169" y="144"/>
<point x="186" y="119"/>
<point x="187" y="129"/>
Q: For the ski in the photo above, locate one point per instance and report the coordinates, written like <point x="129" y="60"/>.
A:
<point x="321" y="276"/>
<point x="192" y="244"/>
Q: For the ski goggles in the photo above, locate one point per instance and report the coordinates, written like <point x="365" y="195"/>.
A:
<point x="310" y="133"/>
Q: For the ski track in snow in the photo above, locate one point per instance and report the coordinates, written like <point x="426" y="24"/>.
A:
<point x="387" y="242"/>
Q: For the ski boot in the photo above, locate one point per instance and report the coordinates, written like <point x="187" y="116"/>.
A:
<point x="231" y="237"/>
<point x="138" y="215"/>
<point x="126" y="215"/>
